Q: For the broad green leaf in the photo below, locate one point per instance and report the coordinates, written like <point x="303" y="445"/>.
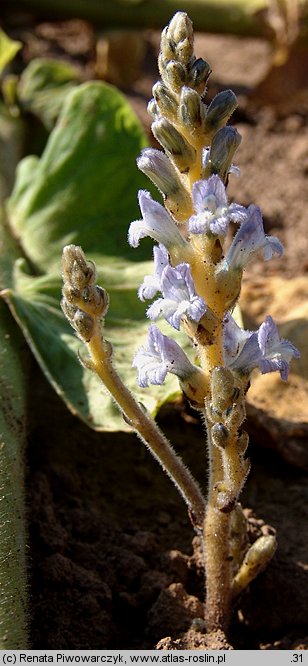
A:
<point x="83" y="188"/>
<point x="8" y="49"/>
<point x="34" y="303"/>
<point x="43" y="87"/>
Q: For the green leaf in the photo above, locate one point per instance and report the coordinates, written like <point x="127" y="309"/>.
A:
<point x="43" y="87"/>
<point x="83" y="188"/>
<point x="34" y="303"/>
<point x="8" y="49"/>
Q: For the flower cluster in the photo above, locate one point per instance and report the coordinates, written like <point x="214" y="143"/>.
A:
<point x="197" y="274"/>
<point x="179" y="301"/>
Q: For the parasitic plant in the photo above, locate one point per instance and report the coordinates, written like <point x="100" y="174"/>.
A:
<point x="197" y="276"/>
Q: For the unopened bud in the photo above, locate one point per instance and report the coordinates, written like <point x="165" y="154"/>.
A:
<point x="224" y="145"/>
<point x="198" y="75"/>
<point x="181" y="152"/>
<point x="153" y="109"/>
<point x="96" y="300"/>
<point x="219" y="111"/>
<point x="191" y="110"/>
<point x="256" y="559"/>
<point x="77" y="271"/>
<point x="180" y="28"/>
<point x="68" y="309"/>
<point x="84" y="325"/>
<point x="165" y="100"/>
<point x="174" y="75"/>
<point x="72" y="294"/>
<point x="158" y="167"/>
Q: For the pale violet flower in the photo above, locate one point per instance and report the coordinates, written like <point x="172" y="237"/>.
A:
<point x="263" y="349"/>
<point x="178" y="297"/>
<point x="159" y="356"/>
<point x="156" y="223"/>
<point x="213" y="212"/>
<point x="250" y="239"/>
<point x="151" y="283"/>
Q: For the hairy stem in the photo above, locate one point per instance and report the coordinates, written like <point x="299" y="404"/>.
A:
<point x="217" y="564"/>
<point x="146" y="428"/>
<point x="216" y="540"/>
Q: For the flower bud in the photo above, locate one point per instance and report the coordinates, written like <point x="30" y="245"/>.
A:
<point x="180" y="29"/>
<point x="165" y="100"/>
<point x="157" y="166"/>
<point x="153" y="109"/>
<point x="181" y="152"/>
<point x="84" y="325"/>
<point x="72" y="294"/>
<point x="174" y="75"/>
<point x="256" y="559"/>
<point x="224" y="145"/>
<point x="219" y="111"/>
<point x="68" y="309"/>
<point x="191" y="110"/>
<point x="198" y="75"/>
<point x="96" y="300"/>
<point x="77" y="271"/>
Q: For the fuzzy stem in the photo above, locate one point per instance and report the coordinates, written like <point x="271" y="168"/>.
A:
<point x="216" y="537"/>
<point x="216" y="528"/>
<point x="146" y="428"/>
<point x="216" y="543"/>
